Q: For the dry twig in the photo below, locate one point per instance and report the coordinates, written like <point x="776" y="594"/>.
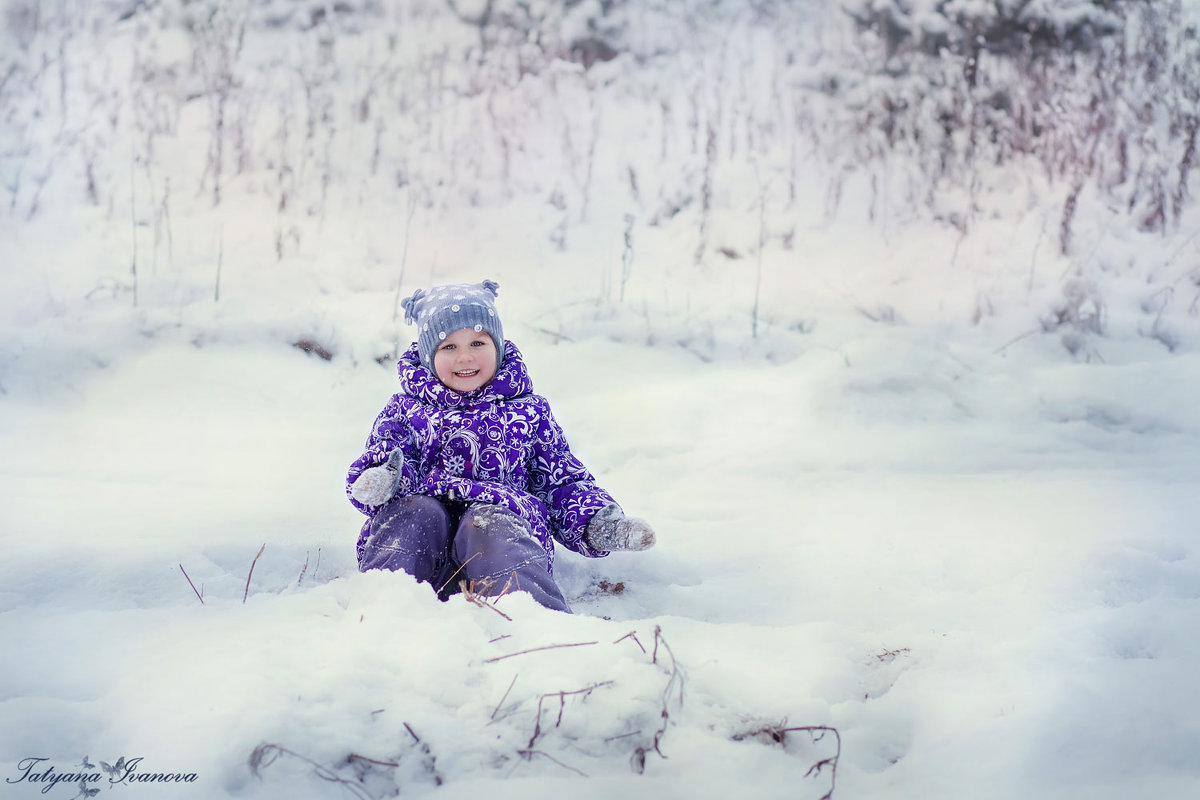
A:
<point x="818" y="732"/>
<point x="676" y="677"/>
<point x="496" y="710"/>
<point x="631" y="635"/>
<point x="512" y="584"/>
<point x="266" y="754"/>
<point x="886" y="655"/>
<point x="199" y="596"/>
<point x="251" y="573"/>
<point x="452" y="574"/>
<point x="562" y="704"/>
<point x="536" y="650"/>
<point x="474" y="594"/>
<point x="528" y="753"/>
<point x="353" y="757"/>
<point x="430" y="758"/>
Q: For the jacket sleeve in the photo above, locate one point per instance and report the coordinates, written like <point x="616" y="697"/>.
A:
<point x="387" y="434"/>
<point x="563" y="483"/>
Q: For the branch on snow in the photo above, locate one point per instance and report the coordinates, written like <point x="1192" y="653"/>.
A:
<point x="361" y="766"/>
<point x="562" y="704"/>
<point x="536" y="650"/>
<point x="778" y="734"/>
<point x="250" y="574"/>
<point x="674" y="685"/>
<point x="199" y="596"/>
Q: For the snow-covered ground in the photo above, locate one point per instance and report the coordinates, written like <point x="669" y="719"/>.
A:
<point x="981" y="571"/>
<point x="891" y="506"/>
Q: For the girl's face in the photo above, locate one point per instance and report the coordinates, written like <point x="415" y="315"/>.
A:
<point x="465" y="360"/>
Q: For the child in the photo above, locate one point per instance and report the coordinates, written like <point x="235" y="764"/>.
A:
<point x="466" y="475"/>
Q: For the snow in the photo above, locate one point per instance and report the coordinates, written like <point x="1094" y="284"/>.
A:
<point x="891" y="496"/>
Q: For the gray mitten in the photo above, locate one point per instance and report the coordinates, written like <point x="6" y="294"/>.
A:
<point x="375" y="485"/>
<point x="610" y="529"/>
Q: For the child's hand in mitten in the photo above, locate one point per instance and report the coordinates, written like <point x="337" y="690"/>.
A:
<point x="610" y="529"/>
<point x="376" y="485"/>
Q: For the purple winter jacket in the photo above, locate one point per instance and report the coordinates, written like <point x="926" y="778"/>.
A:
<point x="498" y="444"/>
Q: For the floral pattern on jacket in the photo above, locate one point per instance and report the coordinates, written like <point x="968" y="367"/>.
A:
<point x="499" y="444"/>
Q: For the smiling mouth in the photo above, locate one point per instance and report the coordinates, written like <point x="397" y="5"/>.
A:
<point x="466" y="373"/>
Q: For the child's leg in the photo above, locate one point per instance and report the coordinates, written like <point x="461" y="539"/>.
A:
<point x="409" y="533"/>
<point x="492" y="543"/>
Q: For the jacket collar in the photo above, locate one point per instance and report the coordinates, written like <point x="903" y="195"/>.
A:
<point x="419" y="382"/>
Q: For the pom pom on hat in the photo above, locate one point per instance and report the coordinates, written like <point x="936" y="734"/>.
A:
<point x="410" y="306"/>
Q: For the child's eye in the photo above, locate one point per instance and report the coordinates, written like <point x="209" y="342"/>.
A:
<point x="478" y="343"/>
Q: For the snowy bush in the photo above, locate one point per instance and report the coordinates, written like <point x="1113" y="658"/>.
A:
<point x="733" y="152"/>
<point x="1099" y="93"/>
<point x="943" y="102"/>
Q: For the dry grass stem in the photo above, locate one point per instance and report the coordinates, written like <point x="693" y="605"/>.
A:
<point x="251" y="573"/>
<point x="528" y="753"/>
<point x="475" y="593"/>
<point x="266" y="754"/>
<point x="886" y="655"/>
<point x="353" y="757"/>
<point x="460" y="566"/>
<point x="199" y="596"/>
<point x="513" y="584"/>
<point x="631" y="635"/>
<point x="303" y="569"/>
<point x="562" y="704"/>
<point x="537" y="650"/>
<point x="674" y="680"/>
<point x="818" y="732"/>
<point x="496" y="710"/>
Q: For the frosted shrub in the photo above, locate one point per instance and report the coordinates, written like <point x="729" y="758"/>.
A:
<point x="1099" y="93"/>
<point x="1096" y="103"/>
<point x="1080" y="313"/>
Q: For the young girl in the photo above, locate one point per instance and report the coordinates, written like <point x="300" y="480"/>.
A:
<point x="466" y="475"/>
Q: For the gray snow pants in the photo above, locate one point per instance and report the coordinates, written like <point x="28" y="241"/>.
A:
<point x="487" y="545"/>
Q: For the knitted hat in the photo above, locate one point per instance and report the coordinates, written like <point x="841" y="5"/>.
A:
<point x="442" y="310"/>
